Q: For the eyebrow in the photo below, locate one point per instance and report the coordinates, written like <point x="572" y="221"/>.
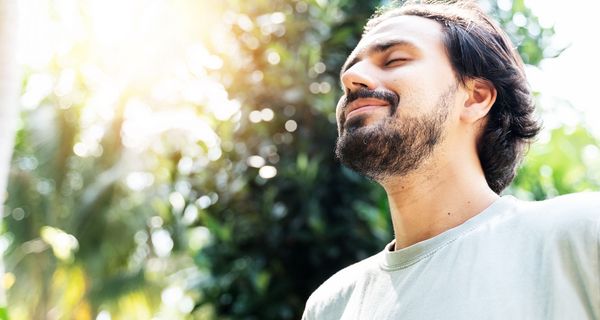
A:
<point x="377" y="48"/>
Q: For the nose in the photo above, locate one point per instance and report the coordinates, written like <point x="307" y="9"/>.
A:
<point x="359" y="75"/>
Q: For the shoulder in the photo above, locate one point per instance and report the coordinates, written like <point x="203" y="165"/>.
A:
<point x="576" y="215"/>
<point x="331" y="297"/>
<point x="575" y="206"/>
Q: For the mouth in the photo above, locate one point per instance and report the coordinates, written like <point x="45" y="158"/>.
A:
<point x="364" y="105"/>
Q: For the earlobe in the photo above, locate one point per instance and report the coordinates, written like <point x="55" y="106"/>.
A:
<point x="481" y="97"/>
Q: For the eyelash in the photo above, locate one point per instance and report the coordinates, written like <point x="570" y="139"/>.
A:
<point x="395" y="60"/>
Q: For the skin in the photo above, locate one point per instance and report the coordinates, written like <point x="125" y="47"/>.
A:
<point x="449" y="186"/>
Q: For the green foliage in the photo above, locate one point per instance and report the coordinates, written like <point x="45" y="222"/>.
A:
<point x="93" y="218"/>
<point x="277" y="238"/>
<point x="532" y="39"/>
<point x="568" y="163"/>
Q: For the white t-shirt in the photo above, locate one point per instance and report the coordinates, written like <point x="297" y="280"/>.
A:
<point x="514" y="260"/>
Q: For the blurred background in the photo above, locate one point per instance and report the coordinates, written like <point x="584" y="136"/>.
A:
<point x="173" y="158"/>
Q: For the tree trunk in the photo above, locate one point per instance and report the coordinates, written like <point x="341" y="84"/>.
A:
<point x="9" y="94"/>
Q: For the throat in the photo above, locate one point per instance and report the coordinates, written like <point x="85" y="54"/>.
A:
<point x="419" y="213"/>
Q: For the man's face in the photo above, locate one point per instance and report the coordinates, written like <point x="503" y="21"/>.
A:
<point x="400" y="89"/>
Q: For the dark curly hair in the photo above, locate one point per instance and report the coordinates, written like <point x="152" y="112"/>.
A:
<point x="479" y="49"/>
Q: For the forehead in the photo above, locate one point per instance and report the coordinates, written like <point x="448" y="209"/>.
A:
<point x="421" y="33"/>
<point x="406" y="25"/>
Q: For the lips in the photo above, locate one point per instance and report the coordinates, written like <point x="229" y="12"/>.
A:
<point x="364" y="105"/>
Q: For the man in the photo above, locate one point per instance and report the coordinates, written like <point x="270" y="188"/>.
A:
<point x="437" y="110"/>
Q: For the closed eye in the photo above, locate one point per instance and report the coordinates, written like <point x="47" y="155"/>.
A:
<point x="396" y="61"/>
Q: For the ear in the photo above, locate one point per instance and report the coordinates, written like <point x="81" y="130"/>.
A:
<point x="481" y="97"/>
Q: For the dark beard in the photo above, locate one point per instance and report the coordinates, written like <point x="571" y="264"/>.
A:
<point x="392" y="147"/>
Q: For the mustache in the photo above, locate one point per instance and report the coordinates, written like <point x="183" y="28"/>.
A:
<point x="388" y="96"/>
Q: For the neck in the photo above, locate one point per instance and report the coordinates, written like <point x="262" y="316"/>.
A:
<point x="427" y="203"/>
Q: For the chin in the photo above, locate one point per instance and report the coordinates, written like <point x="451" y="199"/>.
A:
<point x="362" y="121"/>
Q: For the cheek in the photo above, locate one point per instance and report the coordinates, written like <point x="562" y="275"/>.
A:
<point x="338" y="108"/>
<point x="412" y="87"/>
<point x="338" y="111"/>
<point x="420" y="95"/>
<point x="420" y="84"/>
<point x="414" y="100"/>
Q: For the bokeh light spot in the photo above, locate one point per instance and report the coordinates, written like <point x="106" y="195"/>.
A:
<point x="156" y="222"/>
<point x="301" y="7"/>
<point x="204" y="202"/>
<point x="267" y="114"/>
<point x="177" y="201"/>
<point x="273" y="57"/>
<point x="277" y="17"/>
<point x="214" y="154"/>
<point x="519" y="20"/>
<point x="171" y="295"/>
<point x="190" y="215"/>
<point x="199" y="237"/>
<point x="103" y="315"/>
<point x="291" y="125"/>
<point x="256" y="76"/>
<point x="324" y="87"/>
<point x="18" y="214"/>
<point x="255" y="116"/>
<point x="139" y="181"/>
<point x="245" y="23"/>
<point x="320" y="67"/>
<point x="314" y="88"/>
<point x="267" y="172"/>
<point x="255" y="161"/>
<point x="162" y="242"/>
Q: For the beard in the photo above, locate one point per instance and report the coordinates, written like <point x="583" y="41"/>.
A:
<point x="392" y="146"/>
